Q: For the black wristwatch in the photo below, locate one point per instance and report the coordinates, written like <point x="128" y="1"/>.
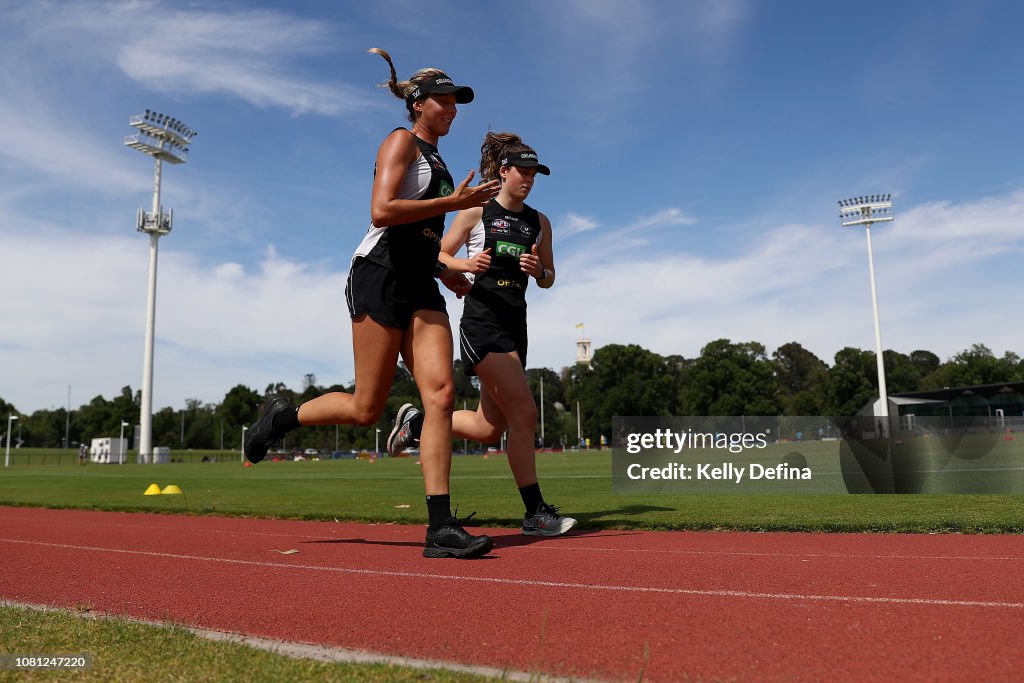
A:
<point x="439" y="269"/>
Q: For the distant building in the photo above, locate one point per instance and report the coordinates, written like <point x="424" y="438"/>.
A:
<point x="991" y="405"/>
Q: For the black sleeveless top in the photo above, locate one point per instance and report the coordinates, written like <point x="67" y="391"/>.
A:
<point x="508" y="234"/>
<point x="410" y="249"/>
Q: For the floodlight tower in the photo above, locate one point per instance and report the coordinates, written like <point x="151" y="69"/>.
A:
<point x="876" y="208"/>
<point x="165" y="139"/>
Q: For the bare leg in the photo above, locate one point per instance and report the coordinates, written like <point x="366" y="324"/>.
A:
<point x="502" y="377"/>
<point x="427" y="350"/>
<point x="485" y="424"/>
<point x="375" y="348"/>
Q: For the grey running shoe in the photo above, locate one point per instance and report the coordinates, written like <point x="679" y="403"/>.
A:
<point x="401" y="435"/>
<point x="452" y="540"/>
<point x="261" y="436"/>
<point x="547" y="522"/>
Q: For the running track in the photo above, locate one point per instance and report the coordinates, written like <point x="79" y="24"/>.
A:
<point x="703" y="606"/>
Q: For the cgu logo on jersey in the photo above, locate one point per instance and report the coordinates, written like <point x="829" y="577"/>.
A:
<point x="499" y="226"/>
<point x="444" y="189"/>
<point x="509" y="249"/>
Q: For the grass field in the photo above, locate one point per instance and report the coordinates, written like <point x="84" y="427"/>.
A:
<point x="391" y="490"/>
<point x="123" y="650"/>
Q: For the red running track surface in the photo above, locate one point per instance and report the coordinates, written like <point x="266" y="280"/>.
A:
<point x="605" y="605"/>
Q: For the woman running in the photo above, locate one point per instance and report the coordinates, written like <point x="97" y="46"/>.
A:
<point x="395" y="304"/>
<point x="507" y="243"/>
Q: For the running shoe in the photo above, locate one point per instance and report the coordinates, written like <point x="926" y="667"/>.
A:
<point x="261" y="436"/>
<point x="401" y="435"/>
<point x="451" y="540"/>
<point x="547" y="522"/>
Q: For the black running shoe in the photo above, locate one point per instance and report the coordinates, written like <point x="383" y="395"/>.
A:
<point x="451" y="540"/>
<point x="261" y="436"/>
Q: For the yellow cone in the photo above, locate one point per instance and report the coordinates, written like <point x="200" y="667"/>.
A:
<point x="170" y="489"/>
<point x="153" y="490"/>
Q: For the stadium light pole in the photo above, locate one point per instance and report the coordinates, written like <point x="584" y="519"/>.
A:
<point x="7" y="458"/>
<point x="242" y="449"/>
<point x="867" y="210"/>
<point x="164" y="139"/>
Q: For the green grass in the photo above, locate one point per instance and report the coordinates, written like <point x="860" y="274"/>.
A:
<point x="580" y="483"/>
<point x="123" y="650"/>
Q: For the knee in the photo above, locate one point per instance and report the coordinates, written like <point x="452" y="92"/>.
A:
<point x="525" y="417"/>
<point x="440" y="399"/>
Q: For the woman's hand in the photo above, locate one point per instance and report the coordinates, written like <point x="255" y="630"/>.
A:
<point x="479" y="263"/>
<point x="530" y="263"/>
<point x="465" y="197"/>
<point x="457" y="282"/>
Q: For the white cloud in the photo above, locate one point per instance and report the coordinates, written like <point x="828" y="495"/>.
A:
<point x="250" y="54"/>
<point x="797" y="283"/>
<point x="664" y="218"/>
<point x="573" y="224"/>
<point x="82" y="323"/>
<point x="78" y="311"/>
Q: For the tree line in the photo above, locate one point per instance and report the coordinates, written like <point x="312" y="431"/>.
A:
<point x="727" y="378"/>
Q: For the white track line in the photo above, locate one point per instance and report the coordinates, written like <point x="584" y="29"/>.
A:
<point x="542" y="584"/>
<point x="320" y="653"/>
<point x="562" y="545"/>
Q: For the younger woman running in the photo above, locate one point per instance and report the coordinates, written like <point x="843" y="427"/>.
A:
<point x="507" y="243"/>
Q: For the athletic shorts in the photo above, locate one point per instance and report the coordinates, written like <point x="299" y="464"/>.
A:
<point x="387" y="298"/>
<point x="479" y="335"/>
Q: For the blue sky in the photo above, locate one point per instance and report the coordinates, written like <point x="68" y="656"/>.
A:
<point x="698" y="150"/>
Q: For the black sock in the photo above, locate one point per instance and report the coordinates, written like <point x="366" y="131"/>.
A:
<point x="531" y="498"/>
<point x="416" y="426"/>
<point x="439" y="510"/>
<point x="286" y="421"/>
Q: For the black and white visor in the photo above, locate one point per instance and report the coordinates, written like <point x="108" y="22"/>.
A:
<point x="441" y="85"/>
<point x="526" y="160"/>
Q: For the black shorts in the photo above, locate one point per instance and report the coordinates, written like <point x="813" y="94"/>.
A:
<point x="387" y="298"/>
<point x="480" y="335"/>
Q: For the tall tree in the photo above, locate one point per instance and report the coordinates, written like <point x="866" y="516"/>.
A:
<point x="624" y="381"/>
<point x="852" y="382"/>
<point x="976" y="365"/>
<point x="801" y="376"/>
<point x="730" y="379"/>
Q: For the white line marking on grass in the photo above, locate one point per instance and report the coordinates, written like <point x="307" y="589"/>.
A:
<point x="322" y="653"/>
<point x="542" y="584"/>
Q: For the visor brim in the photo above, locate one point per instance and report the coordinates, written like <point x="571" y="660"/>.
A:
<point x="529" y="163"/>
<point x="463" y="93"/>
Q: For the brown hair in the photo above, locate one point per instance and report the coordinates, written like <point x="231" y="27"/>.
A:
<point x="496" y="147"/>
<point x="401" y="89"/>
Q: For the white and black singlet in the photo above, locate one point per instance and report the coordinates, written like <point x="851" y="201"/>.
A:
<point x="392" y="271"/>
<point x="494" y="317"/>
